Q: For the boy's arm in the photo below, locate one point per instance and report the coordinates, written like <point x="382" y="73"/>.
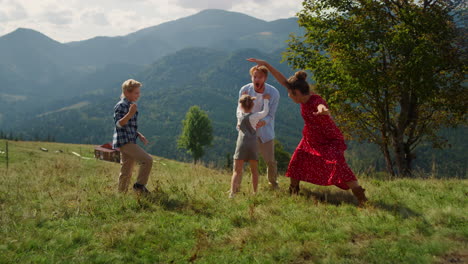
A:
<point x="119" y="113"/>
<point x="142" y="138"/>
<point x="121" y="117"/>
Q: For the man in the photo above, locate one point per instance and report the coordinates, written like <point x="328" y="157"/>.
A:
<point x="266" y="126"/>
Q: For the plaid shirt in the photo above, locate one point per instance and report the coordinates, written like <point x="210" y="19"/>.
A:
<point x="124" y="134"/>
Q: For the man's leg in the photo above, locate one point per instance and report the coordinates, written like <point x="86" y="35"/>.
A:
<point x="267" y="150"/>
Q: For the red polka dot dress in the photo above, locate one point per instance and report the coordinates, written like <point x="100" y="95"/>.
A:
<point x="319" y="157"/>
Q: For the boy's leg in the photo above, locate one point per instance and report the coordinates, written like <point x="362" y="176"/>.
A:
<point x="267" y="150"/>
<point x="146" y="163"/>
<point x="236" y="175"/>
<point x="254" y="170"/>
<point x="126" y="170"/>
<point x="145" y="160"/>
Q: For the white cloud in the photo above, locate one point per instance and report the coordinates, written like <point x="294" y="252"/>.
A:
<point x="82" y="19"/>
<point x="59" y="17"/>
<point x="269" y="10"/>
<point x="96" y="17"/>
<point x="18" y="11"/>
<point x="217" y="4"/>
<point x="11" y="10"/>
<point x="3" y="16"/>
<point x="204" y="4"/>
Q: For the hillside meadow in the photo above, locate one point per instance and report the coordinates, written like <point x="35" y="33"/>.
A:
<point x="59" y="208"/>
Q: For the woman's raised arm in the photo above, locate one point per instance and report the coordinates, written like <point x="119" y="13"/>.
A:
<point x="278" y="75"/>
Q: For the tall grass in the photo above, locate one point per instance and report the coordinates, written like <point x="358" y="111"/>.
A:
<point x="59" y="208"/>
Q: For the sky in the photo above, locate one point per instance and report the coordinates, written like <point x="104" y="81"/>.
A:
<point x="73" y="20"/>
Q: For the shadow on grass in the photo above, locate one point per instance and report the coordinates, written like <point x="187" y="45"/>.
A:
<point x="339" y="198"/>
<point x="397" y="209"/>
<point x="164" y="200"/>
<point x="326" y="196"/>
<point x="180" y="203"/>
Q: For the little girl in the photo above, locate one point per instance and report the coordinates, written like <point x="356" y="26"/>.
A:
<point x="246" y="148"/>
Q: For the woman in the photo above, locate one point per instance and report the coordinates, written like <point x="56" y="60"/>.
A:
<point x="319" y="157"/>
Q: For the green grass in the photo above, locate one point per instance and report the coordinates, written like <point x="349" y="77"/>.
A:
<point x="59" y="208"/>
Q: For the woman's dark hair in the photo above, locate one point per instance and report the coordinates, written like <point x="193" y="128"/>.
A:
<point x="298" y="82"/>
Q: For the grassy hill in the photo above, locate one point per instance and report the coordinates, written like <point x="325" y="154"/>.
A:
<point x="60" y="208"/>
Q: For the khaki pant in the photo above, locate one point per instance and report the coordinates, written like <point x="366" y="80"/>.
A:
<point x="267" y="150"/>
<point x="130" y="153"/>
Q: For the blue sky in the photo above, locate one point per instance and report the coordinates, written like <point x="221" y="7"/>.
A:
<point x="72" y="20"/>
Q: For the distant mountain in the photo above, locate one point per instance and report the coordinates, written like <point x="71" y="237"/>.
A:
<point x="210" y="28"/>
<point x="29" y="58"/>
<point x="40" y="70"/>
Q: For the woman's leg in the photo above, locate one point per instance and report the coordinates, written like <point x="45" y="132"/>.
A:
<point x="352" y="184"/>
<point x="294" y="186"/>
<point x="358" y="191"/>
<point x="254" y="170"/>
<point x="236" y="176"/>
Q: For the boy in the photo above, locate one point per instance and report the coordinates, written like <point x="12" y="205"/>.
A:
<point x="125" y="136"/>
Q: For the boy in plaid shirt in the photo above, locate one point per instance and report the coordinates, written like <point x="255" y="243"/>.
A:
<point x="125" y="136"/>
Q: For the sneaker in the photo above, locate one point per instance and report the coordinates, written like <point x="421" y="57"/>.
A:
<point x="140" y="188"/>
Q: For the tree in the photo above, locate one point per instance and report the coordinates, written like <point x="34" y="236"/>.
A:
<point x="197" y="132"/>
<point x="391" y="70"/>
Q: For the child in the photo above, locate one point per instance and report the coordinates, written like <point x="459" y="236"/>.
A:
<point x="246" y="148"/>
<point x="125" y="136"/>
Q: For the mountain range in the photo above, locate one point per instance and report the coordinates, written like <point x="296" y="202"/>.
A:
<point x="32" y="62"/>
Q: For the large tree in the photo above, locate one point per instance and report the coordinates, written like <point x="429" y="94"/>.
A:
<point x="392" y="71"/>
<point x="197" y="132"/>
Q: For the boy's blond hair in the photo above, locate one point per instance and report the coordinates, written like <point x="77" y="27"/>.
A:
<point x="129" y="85"/>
